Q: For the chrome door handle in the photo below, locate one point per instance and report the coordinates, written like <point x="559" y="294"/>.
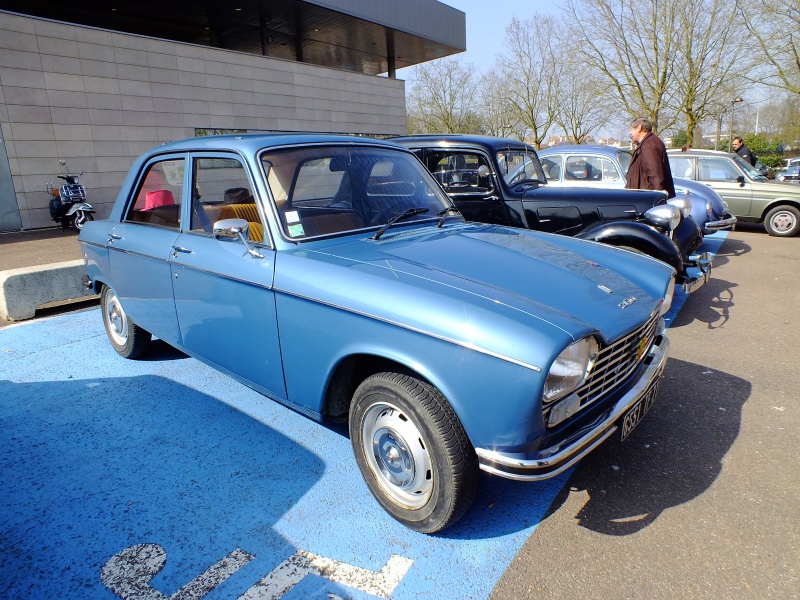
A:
<point x="181" y="249"/>
<point x="112" y="237"/>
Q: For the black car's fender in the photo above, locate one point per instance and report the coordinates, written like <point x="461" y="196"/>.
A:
<point x="639" y="237"/>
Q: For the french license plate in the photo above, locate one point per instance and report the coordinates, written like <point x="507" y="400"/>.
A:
<point x="637" y="412"/>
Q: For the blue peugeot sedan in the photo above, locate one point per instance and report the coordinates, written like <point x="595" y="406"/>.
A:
<point x="333" y="275"/>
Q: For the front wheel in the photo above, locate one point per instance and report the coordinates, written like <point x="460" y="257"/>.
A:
<point x="127" y="338"/>
<point x="412" y="451"/>
<point x="81" y="218"/>
<point x="783" y="221"/>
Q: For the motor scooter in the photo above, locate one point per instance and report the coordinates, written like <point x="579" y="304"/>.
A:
<point x="68" y="204"/>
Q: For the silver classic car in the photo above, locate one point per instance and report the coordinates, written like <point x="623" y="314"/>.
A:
<point x="749" y="194"/>
<point x="333" y="275"/>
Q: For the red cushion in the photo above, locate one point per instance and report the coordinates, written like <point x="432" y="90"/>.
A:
<point x="158" y="198"/>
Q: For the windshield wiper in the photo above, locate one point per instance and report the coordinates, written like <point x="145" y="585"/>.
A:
<point x="409" y="212"/>
<point x="442" y="214"/>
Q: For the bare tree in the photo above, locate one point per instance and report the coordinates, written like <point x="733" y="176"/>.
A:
<point x="527" y="64"/>
<point x="634" y="44"/>
<point x="582" y="106"/>
<point x="775" y="27"/>
<point x="497" y="114"/>
<point x="712" y="59"/>
<point x="442" y="99"/>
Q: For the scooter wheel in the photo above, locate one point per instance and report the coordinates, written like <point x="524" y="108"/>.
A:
<point x="81" y="218"/>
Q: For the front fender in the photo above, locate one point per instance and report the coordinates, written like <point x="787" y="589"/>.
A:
<point x="638" y="236"/>
<point x="79" y="206"/>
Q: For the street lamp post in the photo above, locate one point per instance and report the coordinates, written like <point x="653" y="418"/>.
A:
<point x="730" y="131"/>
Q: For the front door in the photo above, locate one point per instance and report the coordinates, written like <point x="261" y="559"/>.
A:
<point x="722" y="175"/>
<point x="223" y="294"/>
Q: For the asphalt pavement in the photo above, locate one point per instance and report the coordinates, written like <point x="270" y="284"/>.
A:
<point x="702" y="501"/>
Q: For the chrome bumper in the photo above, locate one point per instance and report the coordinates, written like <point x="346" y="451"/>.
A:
<point x="563" y="458"/>
<point x="721" y="225"/>
<point x="695" y="282"/>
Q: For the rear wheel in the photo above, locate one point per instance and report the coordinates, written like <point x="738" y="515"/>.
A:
<point x="413" y="451"/>
<point x="127" y="338"/>
<point x="783" y="221"/>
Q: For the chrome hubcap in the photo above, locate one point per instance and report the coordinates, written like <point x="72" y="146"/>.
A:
<point x="115" y="317"/>
<point x="783" y="221"/>
<point x="397" y="455"/>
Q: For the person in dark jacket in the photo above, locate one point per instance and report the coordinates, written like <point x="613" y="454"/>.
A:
<point x="744" y="151"/>
<point x="649" y="169"/>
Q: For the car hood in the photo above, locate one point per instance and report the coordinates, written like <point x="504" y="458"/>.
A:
<point x="523" y="288"/>
<point x="775" y="189"/>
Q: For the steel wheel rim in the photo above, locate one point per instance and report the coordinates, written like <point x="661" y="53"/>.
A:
<point x="397" y="455"/>
<point x="783" y="221"/>
<point x="116" y="320"/>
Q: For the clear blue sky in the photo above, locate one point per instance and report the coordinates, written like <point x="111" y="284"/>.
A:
<point x="486" y="26"/>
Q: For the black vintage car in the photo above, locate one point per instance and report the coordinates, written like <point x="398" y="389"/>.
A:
<point x="494" y="180"/>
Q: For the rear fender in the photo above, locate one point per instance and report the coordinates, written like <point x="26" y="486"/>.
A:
<point x="641" y="237"/>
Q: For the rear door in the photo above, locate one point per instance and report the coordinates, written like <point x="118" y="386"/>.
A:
<point x="139" y="247"/>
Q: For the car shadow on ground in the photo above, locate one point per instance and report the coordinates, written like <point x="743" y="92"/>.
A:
<point x="97" y="467"/>
<point x="673" y="457"/>
<point x="711" y="305"/>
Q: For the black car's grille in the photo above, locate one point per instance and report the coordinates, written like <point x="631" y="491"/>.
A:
<point x="616" y="362"/>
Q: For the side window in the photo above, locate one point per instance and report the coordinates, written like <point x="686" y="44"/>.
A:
<point x="717" y="169"/>
<point x="158" y="198"/>
<point x="609" y="170"/>
<point x="552" y="167"/>
<point x="457" y="172"/>
<point x="682" y="167"/>
<point x="221" y="190"/>
<point x="583" y="168"/>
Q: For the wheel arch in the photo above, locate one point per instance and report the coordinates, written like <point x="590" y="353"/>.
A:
<point x="779" y="202"/>
<point x="638" y="236"/>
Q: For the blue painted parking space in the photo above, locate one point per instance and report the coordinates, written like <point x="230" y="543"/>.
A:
<point x="163" y="478"/>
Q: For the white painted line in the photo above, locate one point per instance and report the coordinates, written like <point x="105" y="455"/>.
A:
<point x="289" y="573"/>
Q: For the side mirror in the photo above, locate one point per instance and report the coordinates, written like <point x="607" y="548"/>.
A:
<point x="740" y="179"/>
<point x="231" y="229"/>
<point x="483" y="171"/>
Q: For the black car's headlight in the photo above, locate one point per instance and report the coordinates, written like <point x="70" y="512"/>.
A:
<point x="683" y="204"/>
<point x="570" y="369"/>
<point x="665" y="216"/>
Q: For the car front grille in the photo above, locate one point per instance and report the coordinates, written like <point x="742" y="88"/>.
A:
<point x="615" y="363"/>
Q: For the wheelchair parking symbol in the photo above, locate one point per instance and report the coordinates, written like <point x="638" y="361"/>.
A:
<point x="129" y="572"/>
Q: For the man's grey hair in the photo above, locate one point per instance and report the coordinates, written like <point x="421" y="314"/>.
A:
<point x="738" y="138"/>
<point x="644" y="123"/>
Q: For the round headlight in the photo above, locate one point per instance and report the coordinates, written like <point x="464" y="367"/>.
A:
<point x="570" y="368"/>
<point x="665" y="216"/>
<point x="683" y="204"/>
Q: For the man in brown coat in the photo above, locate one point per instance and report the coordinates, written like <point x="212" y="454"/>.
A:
<point x="649" y="168"/>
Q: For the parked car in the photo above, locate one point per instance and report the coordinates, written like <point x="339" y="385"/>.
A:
<point x="330" y="274"/>
<point x="566" y="165"/>
<point x="494" y="180"/>
<point x="750" y="195"/>
<point x="790" y="175"/>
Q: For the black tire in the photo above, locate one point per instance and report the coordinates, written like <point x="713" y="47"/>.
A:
<point x="413" y="451"/>
<point x="81" y="218"/>
<point x="127" y="338"/>
<point x="783" y="221"/>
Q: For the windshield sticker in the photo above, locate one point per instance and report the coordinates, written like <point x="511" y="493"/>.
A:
<point x="296" y="230"/>
<point x="292" y="216"/>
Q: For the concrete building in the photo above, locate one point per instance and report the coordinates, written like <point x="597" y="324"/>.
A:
<point x="96" y="85"/>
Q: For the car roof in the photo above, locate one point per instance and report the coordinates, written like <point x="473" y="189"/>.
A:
<point x="583" y="149"/>
<point x="485" y="141"/>
<point x="250" y="143"/>
<point x="694" y="152"/>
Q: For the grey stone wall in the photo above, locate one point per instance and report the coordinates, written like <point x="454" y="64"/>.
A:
<point x="98" y="99"/>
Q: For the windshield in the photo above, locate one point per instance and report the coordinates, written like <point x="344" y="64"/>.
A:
<point x="519" y="165"/>
<point x="749" y="169"/>
<point x="325" y="190"/>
